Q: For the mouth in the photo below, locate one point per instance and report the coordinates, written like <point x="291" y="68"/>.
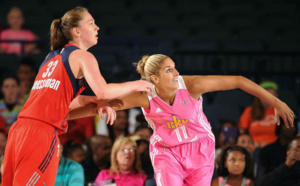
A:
<point x="175" y="80"/>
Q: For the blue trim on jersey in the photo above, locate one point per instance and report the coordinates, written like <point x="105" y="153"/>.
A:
<point x="65" y="53"/>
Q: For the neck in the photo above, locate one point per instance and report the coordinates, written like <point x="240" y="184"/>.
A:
<point x="166" y="95"/>
<point x="124" y="168"/>
<point x="235" y="177"/>
<point x="79" y="45"/>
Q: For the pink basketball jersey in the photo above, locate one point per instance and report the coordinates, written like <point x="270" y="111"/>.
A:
<point x="180" y="123"/>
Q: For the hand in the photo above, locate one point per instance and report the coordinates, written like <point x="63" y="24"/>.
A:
<point x="143" y="86"/>
<point x="285" y="113"/>
<point x="104" y="107"/>
<point x="293" y="155"/>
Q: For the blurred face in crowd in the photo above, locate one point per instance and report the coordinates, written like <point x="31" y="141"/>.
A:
<point x="121" y="120"/>
<point x="10" y="90"/>
<point x="25" y="73"/>
<point x="126" y="157"/>
<point x="245" y="141"/>
<point x="144" y="133"/>
<point x="273" y="92"/>
<point x="235" y="163"/>
<point x="15" y="19"/>
<point x="78" y="155"/>
<point x="103" y="150"/>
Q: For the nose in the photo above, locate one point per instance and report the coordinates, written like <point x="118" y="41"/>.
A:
<point x="176" y="73"/>
<point x="97" y="28"/>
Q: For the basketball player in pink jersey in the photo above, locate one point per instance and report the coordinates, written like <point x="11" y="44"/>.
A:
<point x="31" y="155"/>
<point x="182" y="145"/>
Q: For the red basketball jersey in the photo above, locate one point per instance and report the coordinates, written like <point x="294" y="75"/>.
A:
<point x="54" y="88"/>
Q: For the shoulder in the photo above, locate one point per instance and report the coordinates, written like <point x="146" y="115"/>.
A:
<point x="82" y="55"/>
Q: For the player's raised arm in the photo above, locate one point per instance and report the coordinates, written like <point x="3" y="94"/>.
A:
<point x="198" y="85"/>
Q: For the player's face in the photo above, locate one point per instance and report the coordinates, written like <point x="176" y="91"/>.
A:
<point x="168" y="75"/>
<point x="88" y="31"/>
<point x="235" y="163"/>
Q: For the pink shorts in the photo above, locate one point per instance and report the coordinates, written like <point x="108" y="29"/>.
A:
<point x="187" y="164"/>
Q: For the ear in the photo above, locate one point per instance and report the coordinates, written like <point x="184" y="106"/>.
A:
<point x="75" y="32"/>
<point x="154" y="79"/>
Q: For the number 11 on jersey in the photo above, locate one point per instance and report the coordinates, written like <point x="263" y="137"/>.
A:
<point x="183" y="132"/>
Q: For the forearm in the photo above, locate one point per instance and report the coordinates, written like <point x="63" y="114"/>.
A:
<point x="83" y="106"/>
<point x="84" y="111"/>
<point x="256" y="90"/>
<point x="113" y="90"/>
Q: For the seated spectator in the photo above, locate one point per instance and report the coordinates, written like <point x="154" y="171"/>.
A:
<point x="26" y="74"/>
<point x="99" y="159"/>
<point x="274" y="154"/>
<point x="69" y="172"/>
<point x="119" y="129"/>
<point x="15" y="20"/>
<point x="142" y="128"/>
<point x="287" y="173"/>
<point x="120" y="126"/>
<point x="10" y="105"/>
<point x="74" y="152"/>
<point x="125" y="165"/>
<point x="245" y="140"/>
<point x="259" y="119"/>
<point x="234" y="167"/>
<point x="226" y="135"/>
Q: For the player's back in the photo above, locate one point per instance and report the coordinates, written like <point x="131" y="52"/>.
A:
<point x="54" y="88"/>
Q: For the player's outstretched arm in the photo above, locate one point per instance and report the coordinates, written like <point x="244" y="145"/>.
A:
<point x="198" y="85"/>
<point x="85" y="65"/>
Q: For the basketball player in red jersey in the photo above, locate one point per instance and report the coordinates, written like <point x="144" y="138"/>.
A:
<point x="32" y="155"/>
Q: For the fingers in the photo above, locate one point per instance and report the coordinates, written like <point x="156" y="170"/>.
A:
<point x="291" y="119"/>
<point x="100" y="112"/>
<point x="278" y="120"/>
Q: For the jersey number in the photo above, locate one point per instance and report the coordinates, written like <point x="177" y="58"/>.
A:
<point x="50" y="69"/>
<point x="179" y="135"/>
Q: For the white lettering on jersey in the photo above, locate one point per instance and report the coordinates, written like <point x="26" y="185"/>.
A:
<point x="46" y="83"/>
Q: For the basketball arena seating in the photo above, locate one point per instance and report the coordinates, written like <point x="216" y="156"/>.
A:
<point x="257" y="39"/>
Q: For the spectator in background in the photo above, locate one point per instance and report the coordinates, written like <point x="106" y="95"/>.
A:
<point x="26" y="74"/>
<point x="259" y="119"/>
<point x="245" y="140"/>
<point x="11" y="104"/>
<point x="15" y="20"/>
<point x="120" y="126"/>
<point x="274" y="154"/>
<point x="99" y="159"/>
<point x="142" y="128"/>
<point x="74" y="152"/>
<point x="287" y="173"/>
<point x="69" y="172"/>
<point x="227" y="134"/>
<point x="125" y="165"/>
<point x="3" y="139"/>
<point x="3" y="124"/>
<point x="234" y="168"/>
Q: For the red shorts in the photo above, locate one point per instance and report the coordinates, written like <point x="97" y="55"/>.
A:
<point x="31" y="155"/>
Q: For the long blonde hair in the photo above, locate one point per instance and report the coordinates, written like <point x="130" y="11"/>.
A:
<point x="61" y="28"/>
<point x="150" y="65"/>
<point x="118" y="144"/>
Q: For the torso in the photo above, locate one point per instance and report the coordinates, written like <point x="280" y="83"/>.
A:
<point x="180" y="123"/>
